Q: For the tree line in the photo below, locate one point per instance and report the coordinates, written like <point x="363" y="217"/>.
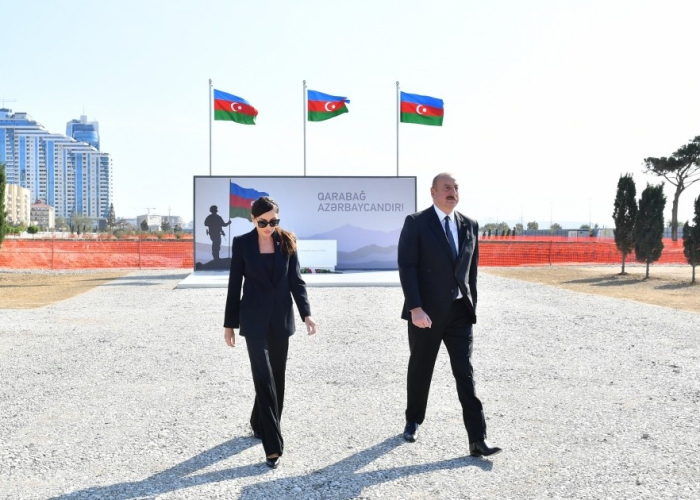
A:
<point x="503" y="229"/>
<point x="681" y="169"/>
<point x="639" y="226"/>
<point x="76" y="223"/>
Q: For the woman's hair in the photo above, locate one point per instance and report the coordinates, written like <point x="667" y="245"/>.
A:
<point x="265" y="204"/>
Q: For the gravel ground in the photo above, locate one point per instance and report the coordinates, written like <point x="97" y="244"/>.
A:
<point x="128" y="391"/>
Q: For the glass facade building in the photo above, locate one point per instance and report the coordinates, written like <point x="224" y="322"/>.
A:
<point x="71" y="176"/>
<point x="84" y="131"/>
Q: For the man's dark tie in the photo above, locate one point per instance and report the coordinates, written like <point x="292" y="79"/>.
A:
<point x="450" y="238"/>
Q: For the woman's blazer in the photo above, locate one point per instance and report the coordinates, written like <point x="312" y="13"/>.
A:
<point x="266" y="304"/>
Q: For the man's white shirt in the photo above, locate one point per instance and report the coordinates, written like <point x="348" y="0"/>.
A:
<point x="453" y="229"/>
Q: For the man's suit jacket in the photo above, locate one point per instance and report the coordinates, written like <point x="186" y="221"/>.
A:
<point x="428" y="270"/>
<point x="266" y="303"/>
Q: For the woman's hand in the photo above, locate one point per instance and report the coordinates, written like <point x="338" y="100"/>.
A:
<point x="310" y="325"/>
<point x="230" y="337"/>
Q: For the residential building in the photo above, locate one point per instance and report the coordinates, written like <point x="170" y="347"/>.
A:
<point x="71" y="176"/>
<point x="152" y="220"/>
<point x="155" y="221"/>
<point x="17" y="204"/>
<point x="174" y="220"/>
<point x="43" y="215"/>
<point x="84" y="131"/>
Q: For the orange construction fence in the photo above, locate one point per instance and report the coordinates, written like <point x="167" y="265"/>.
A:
<point x="561" y="252"/>
<point x="145" y="254"/>
<point x="96" y="254"/>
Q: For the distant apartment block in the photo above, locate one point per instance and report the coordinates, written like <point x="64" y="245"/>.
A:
<point x="43" y="215"/>
<point x="17" y="204"/>
<point x="68" y="175"/>
<point x="174" y="220"/>
<point x="84" y="131"/>
<point x="155" y="221"/>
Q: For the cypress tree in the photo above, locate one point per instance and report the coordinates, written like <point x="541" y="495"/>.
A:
<point x="111" y="218"/>
<point x="691" y="240"/>
<point x="649" y="225"/>
<point x="3" y="215"/>
<point x="624" y="215"/>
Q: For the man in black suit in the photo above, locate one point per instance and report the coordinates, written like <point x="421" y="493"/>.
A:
<point x="438" y="258"/>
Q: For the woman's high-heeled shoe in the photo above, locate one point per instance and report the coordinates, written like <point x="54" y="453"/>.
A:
<point x="272" y="463"/>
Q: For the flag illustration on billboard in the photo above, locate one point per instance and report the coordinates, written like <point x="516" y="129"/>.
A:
<point x="421" y="109"/>
<point x="325" y="106"/>
<point x="241" y="200"/>
<point x="230" y="107"/>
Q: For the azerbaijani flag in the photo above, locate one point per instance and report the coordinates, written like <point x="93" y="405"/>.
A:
<point x="421" y="109"/>
<point x="232" y="108"/>
<point x="324" y="106"/>
<point x="241" y="200"/>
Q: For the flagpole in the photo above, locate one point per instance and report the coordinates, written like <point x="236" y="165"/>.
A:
<point x="209" y="92"/>
<point x="398" y="112"/>
<point x="303" y="107"/>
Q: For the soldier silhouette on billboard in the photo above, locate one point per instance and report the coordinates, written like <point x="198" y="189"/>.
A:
<point x="215" y="225"/>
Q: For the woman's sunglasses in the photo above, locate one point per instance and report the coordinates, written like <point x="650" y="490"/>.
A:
<point x="264" y="223"/>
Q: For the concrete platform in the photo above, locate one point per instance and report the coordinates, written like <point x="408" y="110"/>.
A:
<point x="219" y="279"/>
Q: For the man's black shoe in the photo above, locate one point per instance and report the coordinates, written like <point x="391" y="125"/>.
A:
<point x="410" y="432"/>
<point x="481" y="449"/>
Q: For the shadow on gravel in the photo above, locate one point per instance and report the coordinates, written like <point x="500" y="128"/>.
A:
<point x="341" y="479"/>
<point x="617" y="283"/>
<point x="676" y="286"/>
<point x="606" y="281"/>
<point x="154" y="277"/>
<point x="130" y="283"/>
<point x="178" y="477"/>
<point x="587" y="280"/>
<point x="88" y="280"/>
<point x="145" y="280"/>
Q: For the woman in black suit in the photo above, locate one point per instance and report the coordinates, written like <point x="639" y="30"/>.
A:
<point x="267" y="258"/>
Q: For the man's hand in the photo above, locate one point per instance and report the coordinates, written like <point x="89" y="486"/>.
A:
<point x="230" y="337"/>
<point x="310" y="325"/>
<point x="420" y="319"/>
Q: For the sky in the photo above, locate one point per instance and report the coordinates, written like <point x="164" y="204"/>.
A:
<point x="547" y="102"/>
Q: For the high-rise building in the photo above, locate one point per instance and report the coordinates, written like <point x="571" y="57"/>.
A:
<point x="84" y="131"/>
<point x="71" y="176"/>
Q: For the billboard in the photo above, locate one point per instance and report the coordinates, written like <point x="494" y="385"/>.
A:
<point x="363" y="215"/>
